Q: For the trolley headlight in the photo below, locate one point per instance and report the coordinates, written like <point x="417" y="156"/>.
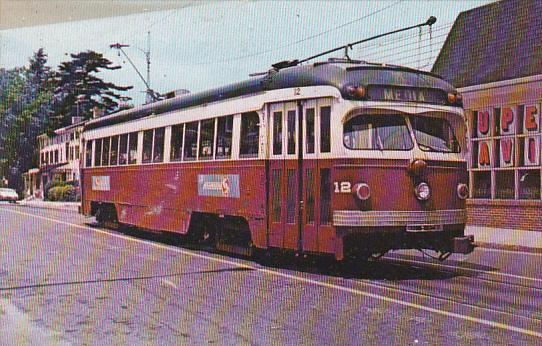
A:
<point x="462" y="191"/>
<point x="363" y="191"/>
<point x="422" y="191"/>
<point x="358" y="92"/>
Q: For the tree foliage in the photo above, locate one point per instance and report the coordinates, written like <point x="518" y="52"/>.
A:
<point x="24" y="108"/>
<point x="79" y="89"/>
<point x="35" y="99"/>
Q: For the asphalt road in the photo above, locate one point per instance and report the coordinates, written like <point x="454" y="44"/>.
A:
<point x="65" y="281"/>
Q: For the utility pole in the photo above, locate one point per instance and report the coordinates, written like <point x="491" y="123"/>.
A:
<point x="151" y="94"/>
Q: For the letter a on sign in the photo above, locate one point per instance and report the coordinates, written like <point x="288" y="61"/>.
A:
<point x="483" y="123"/>
<point x="484" y="154"/>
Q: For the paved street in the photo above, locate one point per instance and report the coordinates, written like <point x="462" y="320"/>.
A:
<point x="64" y="281"/>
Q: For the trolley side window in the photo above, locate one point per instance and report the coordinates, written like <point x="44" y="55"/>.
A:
<point x="105" y="151"/>
<point x="207" y="137"/>
<point x="123" y="152"/>
<point x="177" y="142"/>
<point x="88" y="154"/>
<point x="250" y="134"/>
<point x="147" y="146"/>
<point x="325" y="129"/>
<point x="291" y="122"/>
<point x="191" y="141"/>
<point x="98" y="153"/>
<point x="277" y="133"/>
<point x="310" y="130"/>
<point x="132" y="150"/>
<point x="224" y="137"/>
<point x="158" y="147"/>
<point x="381" y="132"/>
<point x="114" y="151"/>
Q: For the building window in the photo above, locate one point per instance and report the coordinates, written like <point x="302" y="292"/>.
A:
<point x="505" y="154"/>
<point x="250" y="134"/>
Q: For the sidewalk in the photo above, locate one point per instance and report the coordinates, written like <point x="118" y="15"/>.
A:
<point x="38" y="203"/>
<point x="504" y="238"/>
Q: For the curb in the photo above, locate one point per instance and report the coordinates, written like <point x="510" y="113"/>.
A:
<point x="515" y="248"/>
<point x="65" y="208"/>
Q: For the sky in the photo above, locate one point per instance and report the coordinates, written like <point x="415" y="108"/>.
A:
<point x="216" y="43"/>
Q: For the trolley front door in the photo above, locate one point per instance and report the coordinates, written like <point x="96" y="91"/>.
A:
<point x="299" y="206"/>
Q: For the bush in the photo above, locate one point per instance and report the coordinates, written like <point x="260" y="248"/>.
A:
<point x="51" y="184"/>
<point x="64" y="193"/>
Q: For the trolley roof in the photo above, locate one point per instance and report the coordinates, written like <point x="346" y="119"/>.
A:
<point x="337" y="73"/>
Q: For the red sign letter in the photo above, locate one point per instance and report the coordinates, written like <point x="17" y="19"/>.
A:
<point x="507" y="118"/>
<point x="530" y="120"/>
<point x="532" y="150"/>
<point x="483" y="156"/>
<point x="483" y="122"/>
<point x="506" y="149"/>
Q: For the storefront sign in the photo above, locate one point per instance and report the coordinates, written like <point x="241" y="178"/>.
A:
<point x="483" y="123"/>
<point x="531" y="152"/>
<point x="484" y="154"/>
<point x="507" y="152"/>
<point x="531" y="119"/>
<point x="100" y="183"/>
<point x="508" y="121"/>
<point x="218" y="185"/>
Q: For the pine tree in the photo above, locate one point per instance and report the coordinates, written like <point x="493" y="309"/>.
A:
<point x="25" y="103"/>
<point x="79" y="90"/>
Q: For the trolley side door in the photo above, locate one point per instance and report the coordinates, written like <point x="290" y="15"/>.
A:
<point x="276" y="175"/>
<point x="283" y="176"/>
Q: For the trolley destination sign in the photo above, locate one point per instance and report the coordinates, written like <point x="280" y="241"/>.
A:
<point x="401" y="94"/>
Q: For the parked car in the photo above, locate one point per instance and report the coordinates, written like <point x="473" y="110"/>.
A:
<point x="8" y="195"/>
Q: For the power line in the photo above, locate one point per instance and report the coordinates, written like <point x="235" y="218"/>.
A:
<point x="295" y="42"/>
<point x="408" y="39"/>
<point x="410" y="49"/>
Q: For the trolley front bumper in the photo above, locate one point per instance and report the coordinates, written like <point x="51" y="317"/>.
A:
<point x="386" y="218"/>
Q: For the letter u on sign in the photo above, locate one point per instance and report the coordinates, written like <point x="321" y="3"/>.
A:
<point x="483" y="123"/>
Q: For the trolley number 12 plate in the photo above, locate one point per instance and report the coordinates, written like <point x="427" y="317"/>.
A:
<point x="343" y="187"/>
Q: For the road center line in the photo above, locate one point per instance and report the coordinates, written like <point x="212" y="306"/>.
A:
<point x="313" y="282"/>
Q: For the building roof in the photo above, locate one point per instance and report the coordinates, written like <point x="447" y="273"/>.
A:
<point x="495" y="42"/>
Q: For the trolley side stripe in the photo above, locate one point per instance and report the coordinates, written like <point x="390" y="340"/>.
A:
<point x="302" y="279"/>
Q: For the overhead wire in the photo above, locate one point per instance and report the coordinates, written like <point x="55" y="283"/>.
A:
<point x="310" y="37"/>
